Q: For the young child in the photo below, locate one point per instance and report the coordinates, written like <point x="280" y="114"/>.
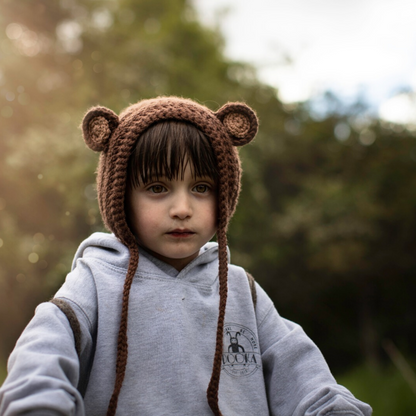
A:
<point x="152" y="319"/>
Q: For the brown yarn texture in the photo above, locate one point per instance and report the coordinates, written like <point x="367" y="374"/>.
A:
<point x="237" y="124"/>
<point x="234" y="124"/>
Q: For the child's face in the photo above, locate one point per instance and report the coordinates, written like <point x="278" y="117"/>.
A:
<point x="174" y="218"/>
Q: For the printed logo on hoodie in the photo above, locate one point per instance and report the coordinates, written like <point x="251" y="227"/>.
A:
<point x="241" y="354"/>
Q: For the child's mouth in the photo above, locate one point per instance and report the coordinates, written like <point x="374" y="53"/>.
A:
<point x="181" y="233"/>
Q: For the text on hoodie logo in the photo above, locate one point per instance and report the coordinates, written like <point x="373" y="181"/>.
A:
<point x="241" y="354"/>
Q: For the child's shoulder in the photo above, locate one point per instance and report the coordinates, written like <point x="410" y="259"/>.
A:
<point x="105" y="247"/>
<point x="242" y="285"/>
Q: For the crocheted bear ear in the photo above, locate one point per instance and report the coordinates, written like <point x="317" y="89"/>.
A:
<point x="97" y="126"/>
<point x="240" y="121"/>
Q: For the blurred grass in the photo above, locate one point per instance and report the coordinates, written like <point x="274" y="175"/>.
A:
<point x="385" y="390"/>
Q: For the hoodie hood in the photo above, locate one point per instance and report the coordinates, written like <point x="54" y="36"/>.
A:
<point x="107" y="248"/>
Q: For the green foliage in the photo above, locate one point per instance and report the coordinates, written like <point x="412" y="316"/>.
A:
<point x="384" y="389"/>
<point x="330" y="231"/>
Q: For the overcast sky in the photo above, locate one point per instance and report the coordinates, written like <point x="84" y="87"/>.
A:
<point x="304" y="47"/>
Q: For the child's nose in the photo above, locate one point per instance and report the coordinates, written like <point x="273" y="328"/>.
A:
<point x="181" y="207"/>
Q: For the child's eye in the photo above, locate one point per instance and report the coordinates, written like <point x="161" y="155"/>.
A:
<point x="201" y="189"/>
<point x="157" y="189"/>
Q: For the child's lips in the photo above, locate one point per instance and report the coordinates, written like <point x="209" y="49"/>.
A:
<point x="181" y="233"/>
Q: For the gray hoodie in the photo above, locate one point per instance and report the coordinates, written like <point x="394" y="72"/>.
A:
<point x="269" y="365"/>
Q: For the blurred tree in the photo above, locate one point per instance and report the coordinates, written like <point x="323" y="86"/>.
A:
<point x="331" y="212"/>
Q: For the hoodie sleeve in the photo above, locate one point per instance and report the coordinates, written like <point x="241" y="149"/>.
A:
<point x="297" y="377"/>
<point x="44" y="369"/>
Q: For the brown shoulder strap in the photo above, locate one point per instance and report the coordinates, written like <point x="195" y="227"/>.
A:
<point x="252" y="284"/>
<point x="72" y="319"/>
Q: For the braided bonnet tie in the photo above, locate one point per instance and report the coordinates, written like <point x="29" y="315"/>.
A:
<point x="234" y="124"/>
<point x="122" y="345"/>
<point x="213" y="387"/>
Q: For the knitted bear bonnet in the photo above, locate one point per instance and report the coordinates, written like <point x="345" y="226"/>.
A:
<point x="234" y="124"/>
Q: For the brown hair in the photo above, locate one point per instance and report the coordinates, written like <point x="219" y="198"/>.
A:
<point x="165" y="149"/>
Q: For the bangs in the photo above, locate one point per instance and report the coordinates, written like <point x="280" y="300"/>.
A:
<point x="165" y="149"/>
